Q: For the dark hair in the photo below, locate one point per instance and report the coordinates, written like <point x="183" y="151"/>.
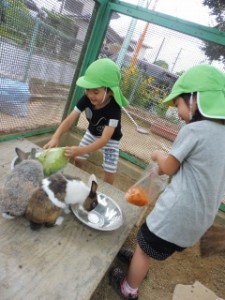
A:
<point x="197" y="115"/>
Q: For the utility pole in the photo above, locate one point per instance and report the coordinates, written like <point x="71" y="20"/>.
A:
<point x="62" y="6"/>
<point x="176" y="59"/>
<point x="160" y="48"/>
<point x="127" y="39"/>
<point x="142" y="37"/>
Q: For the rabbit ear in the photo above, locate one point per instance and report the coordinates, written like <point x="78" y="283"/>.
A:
<point x="21" y="154"/>
<point x="92" y="179"/>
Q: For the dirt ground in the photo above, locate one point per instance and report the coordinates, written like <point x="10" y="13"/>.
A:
<point x="182" y="268"/>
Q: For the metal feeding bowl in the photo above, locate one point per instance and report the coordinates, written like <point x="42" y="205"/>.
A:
<point x="15" y="161"/>
<point x="106" y="216"/>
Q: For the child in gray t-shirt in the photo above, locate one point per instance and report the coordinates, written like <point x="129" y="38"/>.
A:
<point x="196" y="164"/>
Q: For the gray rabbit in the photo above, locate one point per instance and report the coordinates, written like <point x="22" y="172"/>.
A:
<point x="20" y="184"/>
<point x="42" y="200"/>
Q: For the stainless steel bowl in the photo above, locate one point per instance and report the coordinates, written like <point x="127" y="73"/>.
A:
<point x="15" y="161"/>
<point x="106" y="216"/>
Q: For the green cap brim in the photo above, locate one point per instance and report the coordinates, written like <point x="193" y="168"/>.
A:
<point x="117" y="93"/>
<point x="86" y="84"/>
<point x="211" y="104"/>
<point x="169" y="99"/>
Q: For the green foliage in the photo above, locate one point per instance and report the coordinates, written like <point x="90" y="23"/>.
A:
<point x="133" y="85"/>
<point x="17" y="22"/>
<point x="55" y="35"/>
<point x="217" y="9"/>
<point x="161" y="109"/>
<point x="180" y="73"/>
<point x="61" y="23"/>
<point x="3" y="5"/>
<point x="141" y="91"/>
<point x="161" y="63"/>
<point x="215" y="51"/>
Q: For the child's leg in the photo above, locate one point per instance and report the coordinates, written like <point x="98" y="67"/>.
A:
<point x="127" y="287"/>
<point x="80" y="163"/>
<point x="87" y="139"/>
<point x="138" y="268"/>
<point x="110" y="160"/>
<point x="109" y="177"/>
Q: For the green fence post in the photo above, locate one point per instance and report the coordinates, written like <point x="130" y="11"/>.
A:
<point x="99" y="27"/>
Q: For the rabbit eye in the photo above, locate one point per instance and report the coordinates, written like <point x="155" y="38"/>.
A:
<point x="9" y="214"/>
<point x="94" y="203"/>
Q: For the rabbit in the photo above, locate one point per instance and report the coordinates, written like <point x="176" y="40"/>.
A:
<point x="20" y="184"/>
<point x="56" y="193"/>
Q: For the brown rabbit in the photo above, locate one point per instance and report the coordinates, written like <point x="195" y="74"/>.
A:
<point x="56" y="193"/>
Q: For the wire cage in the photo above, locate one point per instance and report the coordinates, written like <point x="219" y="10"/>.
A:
<point x="44" y="48"/>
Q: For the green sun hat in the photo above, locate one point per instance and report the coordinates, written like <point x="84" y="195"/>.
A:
<point x="104" y="73"/>
<point x="209" y="83"/>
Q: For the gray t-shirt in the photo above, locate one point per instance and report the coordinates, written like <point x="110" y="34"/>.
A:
<point x="189" y="204"/>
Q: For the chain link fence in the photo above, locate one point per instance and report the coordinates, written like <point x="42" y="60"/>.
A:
<point x="40" y="50"/>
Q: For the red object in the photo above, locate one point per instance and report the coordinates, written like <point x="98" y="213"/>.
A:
<point x="164" y="130"/>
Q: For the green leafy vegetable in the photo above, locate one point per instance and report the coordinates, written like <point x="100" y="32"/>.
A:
<point x="52" y="160"/>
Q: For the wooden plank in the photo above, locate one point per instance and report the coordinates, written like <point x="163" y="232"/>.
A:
<point x="63" y="262"/>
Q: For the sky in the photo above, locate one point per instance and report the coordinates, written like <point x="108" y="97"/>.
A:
<point x="191" y="10"/>
<point x="178" y="50"/>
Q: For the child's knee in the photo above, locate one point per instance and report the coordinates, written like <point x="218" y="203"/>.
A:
<point x="109" y="177"/>
<point x="79" y="162"/>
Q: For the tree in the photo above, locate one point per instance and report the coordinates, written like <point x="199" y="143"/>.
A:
<point x="180" y="73"/>
<point x="217" y="9"/>
<point x="212" y="50"/>
<point x="58" y="34"/>
<point x="3" y="6"/>
<point x="161" y="63"/>
<point x="17" y="20"/>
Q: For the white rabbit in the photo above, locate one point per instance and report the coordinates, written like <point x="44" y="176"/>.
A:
<point x="20" y="184"/>
<point x="56" y="193"/>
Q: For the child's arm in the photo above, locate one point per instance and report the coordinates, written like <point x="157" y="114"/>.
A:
<point x="98" y="144"/>
<point x="168" y="164"/>
<point x="63" y="127"/>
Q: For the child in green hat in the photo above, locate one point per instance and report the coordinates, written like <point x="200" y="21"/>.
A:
<point x="196" y="164"/>
<point x="102" y="105"/>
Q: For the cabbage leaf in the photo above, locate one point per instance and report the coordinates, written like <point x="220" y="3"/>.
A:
<point x="52" y="160"/>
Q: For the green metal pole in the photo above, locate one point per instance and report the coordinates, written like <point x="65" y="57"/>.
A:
<point x="180" y="25"/>
<point x="99" y="28"/>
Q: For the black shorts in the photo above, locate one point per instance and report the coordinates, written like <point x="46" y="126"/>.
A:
<point x="154" y="246"/>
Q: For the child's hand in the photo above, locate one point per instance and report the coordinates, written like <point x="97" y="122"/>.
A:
<point x="52" y="143"/>
<point x="153" y="172"/>
<point x="155" y="154"/>
<point x="71" y="152"/>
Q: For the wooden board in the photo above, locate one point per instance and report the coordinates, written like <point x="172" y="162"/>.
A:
<point x="63" y="262"/>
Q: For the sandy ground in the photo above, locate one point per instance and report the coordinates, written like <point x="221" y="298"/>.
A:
<point x="42" y="113"/>
<point x="184" y="268"/>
